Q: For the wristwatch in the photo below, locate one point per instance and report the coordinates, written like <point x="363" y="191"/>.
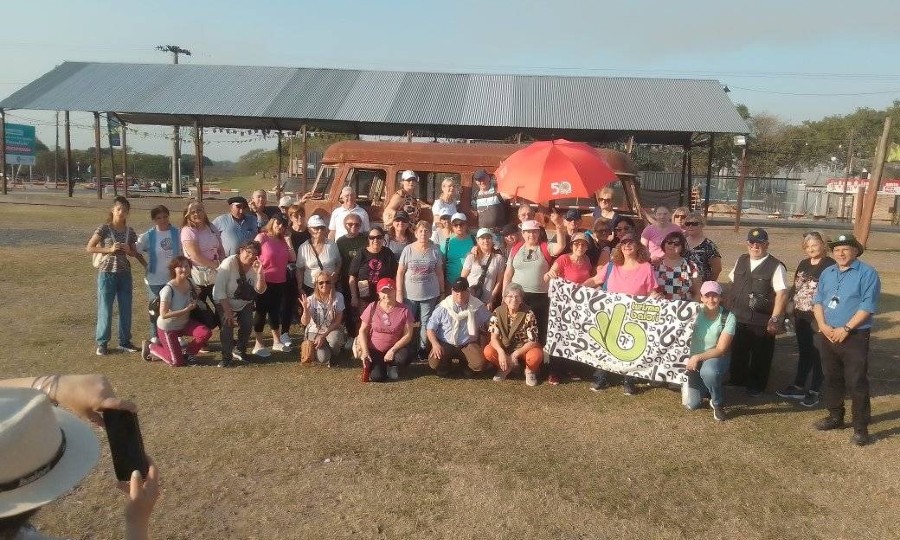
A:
<point x="847" y="329"/>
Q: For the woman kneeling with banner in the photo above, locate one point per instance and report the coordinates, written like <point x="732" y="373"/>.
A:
<point x="709" y="360"/>
<point x="514" y="337"/>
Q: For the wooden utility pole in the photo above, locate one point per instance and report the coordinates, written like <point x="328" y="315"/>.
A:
<point x="865" y="223"/>
<point x="68" y="137"/>
<point x="3" y="148"/>
<point x="740" y="193"/>
<point x="112" y="157"/>
<point x="97" y="155"/>
<point x="176" y="137"/>
<point x="629" y="146"/>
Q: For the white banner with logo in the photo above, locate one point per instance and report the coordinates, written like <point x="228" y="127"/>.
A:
<point x="637" y="336"/>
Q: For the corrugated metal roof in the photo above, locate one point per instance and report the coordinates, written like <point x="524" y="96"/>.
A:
<point x="389" y="102"/>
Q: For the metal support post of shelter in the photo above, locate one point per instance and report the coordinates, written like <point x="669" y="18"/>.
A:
<point x="684" y="164"/>
<point x="68" y="136"/>
<point x="303" y="157"/>
<point x="690" y="180"/>
<point x="198" y="159"/>
<point x="122" y="135"/>
<point x="97" y="155"/>
<point x="709" y="167"/>
<point x="279" y="186"/>
<point x="740" y="190"/>
<point x="3" y="148"/>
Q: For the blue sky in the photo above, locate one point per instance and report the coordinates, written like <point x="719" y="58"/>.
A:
<point x="798" y="60"/>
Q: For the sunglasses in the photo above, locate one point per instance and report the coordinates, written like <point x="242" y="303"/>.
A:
<point x="352" y="224"/>
<point x="376" y="237"/>
<point x="605" y="199"/>
<point x="691" y="223"/>
<point x="318" y="228"/>
<point x="673" y="243"/>
<point x="679" y="216"/>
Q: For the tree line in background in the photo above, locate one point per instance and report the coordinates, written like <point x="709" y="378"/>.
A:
<point x="775" y="148"/>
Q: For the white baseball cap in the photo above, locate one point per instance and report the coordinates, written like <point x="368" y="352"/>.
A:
<point x="286" y="201"/>
<point x="409" y="175"/>
<point x="316" y="220"/>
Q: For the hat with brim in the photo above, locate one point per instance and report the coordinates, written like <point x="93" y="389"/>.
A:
<point x="847" y="239"/>
<point x="30" y="439"/>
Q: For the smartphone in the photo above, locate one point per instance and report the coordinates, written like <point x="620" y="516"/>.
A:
<point x="125" y="443"/>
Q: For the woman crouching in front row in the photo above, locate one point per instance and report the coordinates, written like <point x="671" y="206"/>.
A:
<point x="177" y="299"/>
<point x="385" y="333"/>
<point x="514" y="337"/>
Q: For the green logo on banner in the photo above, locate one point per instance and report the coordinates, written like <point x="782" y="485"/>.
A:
<point x="626" y="341"/>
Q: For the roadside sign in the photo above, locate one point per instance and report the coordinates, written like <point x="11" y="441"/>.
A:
<point x="19" y="144"/>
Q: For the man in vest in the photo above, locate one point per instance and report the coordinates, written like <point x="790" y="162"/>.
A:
<point x="757" y="297"/>
<point x="237" y="226"/>
<point x="845" y="303"/>
<point x="491" y="205"/>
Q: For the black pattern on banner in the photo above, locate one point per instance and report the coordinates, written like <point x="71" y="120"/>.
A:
<point x="631" y="335"/>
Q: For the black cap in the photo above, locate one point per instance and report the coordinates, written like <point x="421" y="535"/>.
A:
<point x="481" y="174"/>
<point x="573" y="215"/>
<point x="237" y="200"/>
<point x="509" y="229"/>
<point x="460" y="285"/>
<point x="401" y="215"/>
<point x="757" y="235"/>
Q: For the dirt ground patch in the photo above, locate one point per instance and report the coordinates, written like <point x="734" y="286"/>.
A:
<point x="281" y="451"/>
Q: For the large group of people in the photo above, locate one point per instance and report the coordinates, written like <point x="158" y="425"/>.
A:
<point x="476" y="285"/>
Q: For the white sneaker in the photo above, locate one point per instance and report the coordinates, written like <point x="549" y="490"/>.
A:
<point x="237" y="356"/>
<point x="530" y="378"/>
<point x="281" y="347"/>
<point x="285" y="339"/>
<point x="260" y="351"/>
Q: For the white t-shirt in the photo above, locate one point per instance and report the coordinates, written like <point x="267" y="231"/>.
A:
<point x="338" y="215"/>
<point x="330" y="258"/>
<point x="322" y="314"/>
<point x="440" y="208"/>
<point x="779" y="278"/>
<point x="176" y="300"/>
<point x="494" y="272"/>
<point x="165" y="252"/>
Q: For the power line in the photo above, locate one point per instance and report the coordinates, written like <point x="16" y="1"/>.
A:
<point x="819" y="94"/>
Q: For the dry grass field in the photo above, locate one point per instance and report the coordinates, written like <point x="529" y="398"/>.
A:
<point x="277" y="450"/>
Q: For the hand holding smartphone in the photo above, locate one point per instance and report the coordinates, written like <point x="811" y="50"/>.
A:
<point x="125" y="443"/>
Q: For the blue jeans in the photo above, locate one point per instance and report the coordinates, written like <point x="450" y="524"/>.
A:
<point x="113" y="286"/>
<point x="421" y="311"/>
<point x="709" y="381"/>
<point x="153" y="294"/>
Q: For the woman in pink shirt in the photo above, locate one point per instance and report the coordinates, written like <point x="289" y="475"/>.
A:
<point x="628" y="272"/>
<point x="275" y="255"/>
<point x="653" y="235"/>
<point x="200" y="243"/>
<point x="574" y="267"/>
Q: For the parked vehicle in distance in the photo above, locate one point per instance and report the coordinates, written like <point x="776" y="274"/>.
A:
<point x="373" y="169"/>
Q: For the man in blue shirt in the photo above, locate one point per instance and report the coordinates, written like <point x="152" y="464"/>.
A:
<point x="454" y="331"/>
<point x="845" y="303"/>
<point x="237" y="226"/>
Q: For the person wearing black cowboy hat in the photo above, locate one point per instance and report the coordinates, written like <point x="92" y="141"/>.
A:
<point x="845" y="304"/>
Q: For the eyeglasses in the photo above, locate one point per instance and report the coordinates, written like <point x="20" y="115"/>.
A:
<point x="691" y="223"/>
<point x="352" y="224"/>
<point x="679" y="216"/>
<point x="376" y="237"/>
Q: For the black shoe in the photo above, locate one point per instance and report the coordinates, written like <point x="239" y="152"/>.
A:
<point x="128" y="347"/>
<point x="792" y="392"/>
<point x="191" y="360"/>
<point x="719" y="414"/>
<point x="102" y="350"/>
<point x="830" y="422"/>
<point x="224" y="364"/>
<point x="860" y="437"/>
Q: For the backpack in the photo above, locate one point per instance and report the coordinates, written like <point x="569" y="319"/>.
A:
<point x="153" y="307"/>
<point x="544" y="250"/>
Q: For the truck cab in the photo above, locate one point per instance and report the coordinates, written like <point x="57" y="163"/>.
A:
<point x="373" y="170"/>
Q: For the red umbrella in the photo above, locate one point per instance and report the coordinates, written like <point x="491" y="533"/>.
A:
<point x="550" y="170"/>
